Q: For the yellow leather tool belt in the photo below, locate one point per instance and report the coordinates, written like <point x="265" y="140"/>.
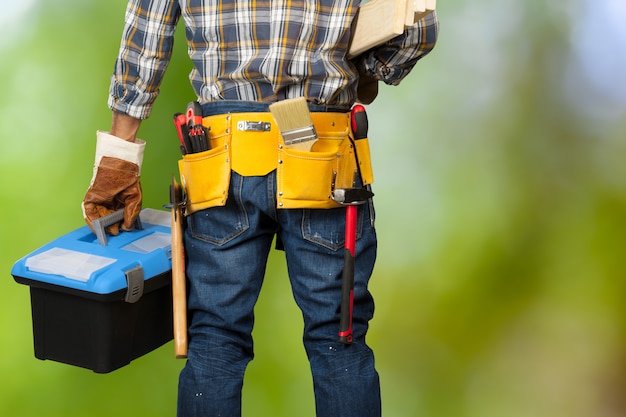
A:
<point x="251" y="145"/>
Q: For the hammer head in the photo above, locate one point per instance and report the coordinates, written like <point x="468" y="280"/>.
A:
<point x="352" y="196"/>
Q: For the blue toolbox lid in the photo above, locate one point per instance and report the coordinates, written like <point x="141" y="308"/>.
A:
<point x="88" y="262"/>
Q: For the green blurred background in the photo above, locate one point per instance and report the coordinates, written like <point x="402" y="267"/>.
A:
<point x="501" y="202"/>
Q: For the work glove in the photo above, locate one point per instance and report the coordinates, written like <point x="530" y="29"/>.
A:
<point x="367" y="88"/>
<point x="115" y="182"/>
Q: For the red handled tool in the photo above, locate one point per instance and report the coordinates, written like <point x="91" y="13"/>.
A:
<point x="191" y="132"/>
<point x="351" y="197"/>
<point x="359" y="121"/>
<point x="347" y="279"/>
<point x="197" y="133"/>
<point x="180" y="121"/>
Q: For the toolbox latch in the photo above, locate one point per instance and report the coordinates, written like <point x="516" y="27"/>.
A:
<point x="134" y="280"/>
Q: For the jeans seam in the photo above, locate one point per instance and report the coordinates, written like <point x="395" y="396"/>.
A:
<point x="271" y="196"/>
<point x="243" y="215"/>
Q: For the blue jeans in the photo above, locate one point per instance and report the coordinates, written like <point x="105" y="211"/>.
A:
<point x="227" y="249"/>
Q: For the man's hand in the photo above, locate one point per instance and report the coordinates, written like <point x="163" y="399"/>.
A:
<point x="115" y="183"/>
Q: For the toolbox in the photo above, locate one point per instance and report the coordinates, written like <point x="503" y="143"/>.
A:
<point x="99" y="301"/>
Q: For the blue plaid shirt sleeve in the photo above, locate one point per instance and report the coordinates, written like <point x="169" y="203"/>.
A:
<point x="392" y="61"/>
<point x="145" y="52"/>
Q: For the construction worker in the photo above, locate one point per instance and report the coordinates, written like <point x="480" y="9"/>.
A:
<point x="247" y="55"/>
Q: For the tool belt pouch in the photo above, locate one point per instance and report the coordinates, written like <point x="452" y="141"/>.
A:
<point x="304" y="179"/>
<point x="205" y="176"/>
<point x="307" y="179"/>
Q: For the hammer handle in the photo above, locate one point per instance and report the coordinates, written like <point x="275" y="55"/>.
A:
<point x="179" y="285"/>
<point x="347" y="283"/>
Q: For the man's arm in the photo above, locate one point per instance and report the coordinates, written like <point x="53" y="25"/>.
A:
<point x="145" y="52"/>
<point x="124" y="126"/>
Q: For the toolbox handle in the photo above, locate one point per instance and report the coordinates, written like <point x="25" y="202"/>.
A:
<point x="99" y="225"/>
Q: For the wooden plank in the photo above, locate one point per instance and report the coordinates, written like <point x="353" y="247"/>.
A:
<point x="409" y="18"/>
<point x="423" y="8"/>
<point x="377" y="22"/>
<point x="419" y="6"/>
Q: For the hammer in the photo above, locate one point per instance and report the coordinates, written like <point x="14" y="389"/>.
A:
<point x="351" y="198"/>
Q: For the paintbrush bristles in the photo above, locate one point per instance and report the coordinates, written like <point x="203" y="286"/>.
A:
<point x="294" y="122"/>
<point x="291" y="114"/>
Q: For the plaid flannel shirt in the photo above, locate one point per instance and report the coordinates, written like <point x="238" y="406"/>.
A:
<point x="256" y="50"/>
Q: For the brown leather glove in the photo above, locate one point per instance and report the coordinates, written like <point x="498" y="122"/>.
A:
<point x="115" y="183"/>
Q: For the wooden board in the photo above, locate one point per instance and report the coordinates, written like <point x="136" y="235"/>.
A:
<point x="378" y="21"/>
<point x="422" y="8"/>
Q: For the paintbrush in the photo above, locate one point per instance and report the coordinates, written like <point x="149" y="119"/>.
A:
<point x="294" y="122"/>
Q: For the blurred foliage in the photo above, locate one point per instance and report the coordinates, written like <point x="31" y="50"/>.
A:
<point x="501" y="201"/>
